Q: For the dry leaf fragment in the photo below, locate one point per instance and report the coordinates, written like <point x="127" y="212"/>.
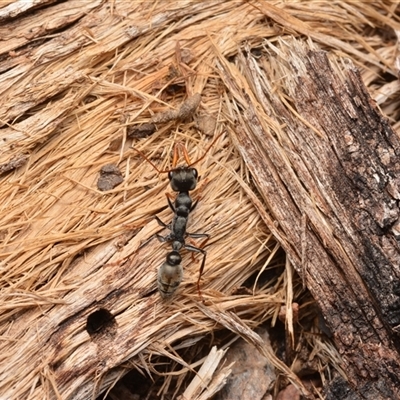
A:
<point x="186" y="110"/>
<point x="110" y="177"/>
<point x="206" y="124"/>
<point x="141" y="131"/>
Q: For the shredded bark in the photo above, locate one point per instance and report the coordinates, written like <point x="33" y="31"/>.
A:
<point x="302" y="160"/>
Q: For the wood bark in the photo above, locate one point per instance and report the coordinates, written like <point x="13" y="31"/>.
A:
<point x="325" y="161"/>
<point x="77" y="268"/>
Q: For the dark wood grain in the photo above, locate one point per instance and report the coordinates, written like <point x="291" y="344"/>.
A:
<point x="325" y="162"/>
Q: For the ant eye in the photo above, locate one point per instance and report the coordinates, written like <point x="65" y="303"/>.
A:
<point x="195" y="173"/>
<point x="170" y="175"/>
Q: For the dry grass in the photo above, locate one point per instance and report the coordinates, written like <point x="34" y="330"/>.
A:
<point x="68" y="249"/>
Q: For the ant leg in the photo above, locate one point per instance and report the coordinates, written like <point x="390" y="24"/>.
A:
<point x="195" y="249"/>
<point x="170" y="202"/>
<point x="194" y="205"/>
<point x="198" y="250"/>
<point x="161" y="223"/>
<point x="162" y="239"/>
<point x="200" y="274"/>
<point x="197" y="235"/>
<point x="202" y="244"/>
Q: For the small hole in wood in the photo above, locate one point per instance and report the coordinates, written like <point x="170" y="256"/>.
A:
<point x="99" y="322"/>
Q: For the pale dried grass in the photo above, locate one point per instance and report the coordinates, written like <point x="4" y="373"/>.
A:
<point x="68" y="249"/>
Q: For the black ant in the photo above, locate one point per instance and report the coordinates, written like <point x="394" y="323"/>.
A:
<point x="182" y="180"/>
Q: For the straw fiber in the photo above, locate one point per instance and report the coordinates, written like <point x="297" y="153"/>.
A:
<point x="91" y="84"/>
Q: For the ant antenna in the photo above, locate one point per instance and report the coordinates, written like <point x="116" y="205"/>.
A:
<point x="160" y="171"/>
<point x="176" y="156"/>
<point x="205" y="153"/>
<point x="184" y="152"/>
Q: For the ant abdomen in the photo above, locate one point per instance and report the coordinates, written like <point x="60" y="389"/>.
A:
<point x="170" y="275"/>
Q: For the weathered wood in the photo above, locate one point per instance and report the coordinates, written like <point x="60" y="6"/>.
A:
<point x="74" y="78"/>
<point x="326" y="163"/>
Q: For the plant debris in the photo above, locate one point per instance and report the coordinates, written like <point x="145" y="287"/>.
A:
<point x="141" y="131"/>
<point x="184" y="112"/>
<point x="70" y="72"/>
<point x="110" y="177"/>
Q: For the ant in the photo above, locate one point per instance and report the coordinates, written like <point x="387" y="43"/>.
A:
<point x="183" y="179"/>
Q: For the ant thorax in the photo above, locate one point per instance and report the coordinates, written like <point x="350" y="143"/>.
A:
<point x="183" y="204"/>
<point x="183" y="179"/>
<point x="178" y="231"/>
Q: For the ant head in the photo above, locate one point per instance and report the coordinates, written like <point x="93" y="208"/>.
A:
<point x="183" y="179"/>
